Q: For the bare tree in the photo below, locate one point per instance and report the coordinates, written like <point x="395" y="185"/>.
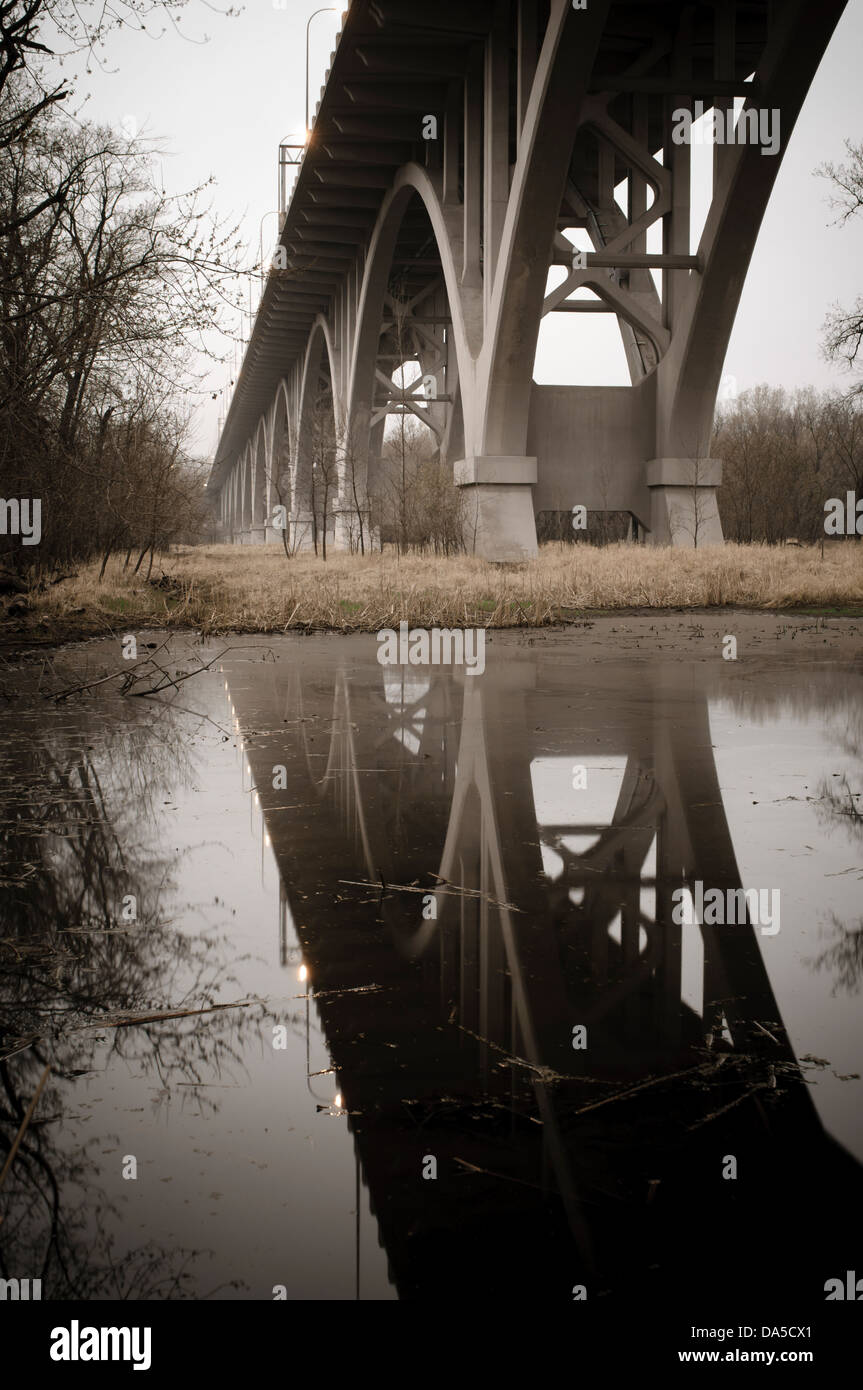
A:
<point x="323" y="452"/>
<point x="104" y="299"/>
<point x="783" y="455"/>
<point x="420" y="506"/>
<point x="844" y="416"/>
<point x="844" y="327"/>
<point x="38" y="35"/>
<point x="354" y="472"/>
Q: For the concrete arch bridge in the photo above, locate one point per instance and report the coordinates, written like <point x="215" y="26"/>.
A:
<point x="456" y="153"/>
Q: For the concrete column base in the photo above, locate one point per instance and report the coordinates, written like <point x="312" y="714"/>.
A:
<point x="257" y="535"/>
<point x="302" y="532"/>
<point x="347" y="529"/>
<point x="499" y="521"/>
<point x="683" y="506"/>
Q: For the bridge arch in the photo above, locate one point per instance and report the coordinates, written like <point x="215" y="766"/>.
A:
<point x="410" y="181"/>
<point x="246" y="492"/>
<point x="547" y="112"/>
<point x="465" y="309"/>
<point x="548" y="136"/>
<point x="259" y="484"/>
<point x="281" y="453"/>
<point x="320" y="337"/>
<point x="315" y="473"/>
<point x="688" y="377"/>
<point x="238" y="479"/>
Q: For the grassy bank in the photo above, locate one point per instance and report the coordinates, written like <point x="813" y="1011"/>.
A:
<point x="225" y="588"/>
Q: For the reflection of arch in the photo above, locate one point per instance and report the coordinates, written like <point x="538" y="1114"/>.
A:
<point x="377" y="762"/>
<point x="513" y="977"/>
<point x="341" y="785"/>
<point x="669" y="794"/>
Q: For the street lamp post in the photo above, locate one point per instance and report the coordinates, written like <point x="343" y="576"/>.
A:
<point x="261" y="239"/>
<point x="290" y="155"/>
<point x="323" y="10"/>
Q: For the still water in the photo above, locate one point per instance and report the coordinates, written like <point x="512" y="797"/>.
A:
<point x="470" y="1050"/>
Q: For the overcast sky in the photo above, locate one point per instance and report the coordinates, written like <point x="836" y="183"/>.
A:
<point x="222" y="106"/>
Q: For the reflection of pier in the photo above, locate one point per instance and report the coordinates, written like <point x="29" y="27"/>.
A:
<point x="551" y="911"/>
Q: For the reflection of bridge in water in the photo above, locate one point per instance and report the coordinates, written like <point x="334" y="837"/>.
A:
<point x="518" y="904"/>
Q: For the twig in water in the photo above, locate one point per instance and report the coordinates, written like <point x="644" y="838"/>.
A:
<point x="24" y="1123"/>
<point x="761" y="1086"/>
<point x="22" y="1047"/>
<point x="642" y="1086"/>
<point x="504" y="1177"/>
<point x="114" y="675"/>
<point x="546" y="1074"/>
<point x="177" y="680"/>
<point x="137" y="1019"/>
<point x="352" y="989"/>
<point x="450" y="891"/>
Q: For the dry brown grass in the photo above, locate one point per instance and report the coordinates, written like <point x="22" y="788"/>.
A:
<point x="225" y="588"/>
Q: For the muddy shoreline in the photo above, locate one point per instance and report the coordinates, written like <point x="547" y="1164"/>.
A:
<point x="842" y="629"/>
